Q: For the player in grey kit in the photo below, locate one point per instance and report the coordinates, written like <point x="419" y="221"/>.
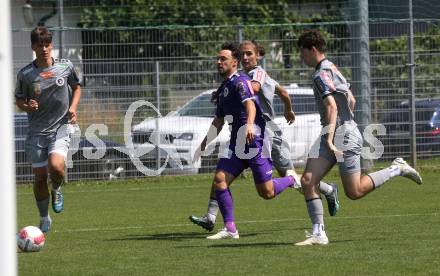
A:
<point x="265" y="88"/>
<point x="48" y="90"/>
<point x="342" y="141"/>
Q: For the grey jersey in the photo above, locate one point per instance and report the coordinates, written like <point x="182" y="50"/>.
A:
<point x="327" y="80"/>
<point x="267" y="91"/>
<point x="50" y="87"/>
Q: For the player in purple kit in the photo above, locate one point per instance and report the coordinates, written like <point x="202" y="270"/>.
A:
<point x="240" y="108"/>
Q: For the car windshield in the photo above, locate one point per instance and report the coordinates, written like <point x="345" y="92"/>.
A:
<point x="201" y="106"/>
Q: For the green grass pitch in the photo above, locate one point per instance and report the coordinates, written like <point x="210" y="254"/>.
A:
<point x="141" y="227"/>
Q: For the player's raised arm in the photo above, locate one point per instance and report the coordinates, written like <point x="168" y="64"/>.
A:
<point x="351" y="100"/>
<point x="331" y="113"/>
<point x="284" y="96"/>
<point x="76" y="95"/>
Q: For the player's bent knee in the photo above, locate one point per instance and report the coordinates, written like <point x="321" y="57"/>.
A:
<point x="266" y="194"/>
<point x="306" y="180"/>
<point x="217" y="180"/>
<point x="353" y="195"/>
<point x="56" y="167"/>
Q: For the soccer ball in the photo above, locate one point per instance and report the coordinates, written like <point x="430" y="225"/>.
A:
<point x="30" y="239"/>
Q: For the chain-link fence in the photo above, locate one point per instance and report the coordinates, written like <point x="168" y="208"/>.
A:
<point x="174" y="69"/>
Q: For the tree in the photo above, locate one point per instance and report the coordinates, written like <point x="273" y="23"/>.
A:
<point x="141" y="31"/>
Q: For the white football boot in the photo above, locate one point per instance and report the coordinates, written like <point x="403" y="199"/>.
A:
<point x="407" y="171"/>
<point x="314" y="239"/>
<point x="224" y="234"/>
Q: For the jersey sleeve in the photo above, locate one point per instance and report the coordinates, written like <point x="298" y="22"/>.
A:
<point x="244" y="89"/>
<point x="259" y="75"/>
<point x="73" y="78"/>
<point x="324" y="83"/>
<point x="271" y="81"/>
<point x="19" y="89"/>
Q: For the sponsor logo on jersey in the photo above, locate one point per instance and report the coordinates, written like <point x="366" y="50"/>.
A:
<point x="60" y="81"/>
<point x="47" y="74"/>
<point x="242" y="90"/>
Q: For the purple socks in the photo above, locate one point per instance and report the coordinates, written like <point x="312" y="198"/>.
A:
<point x="280" y="184"/>
<point x="226" y="205"/>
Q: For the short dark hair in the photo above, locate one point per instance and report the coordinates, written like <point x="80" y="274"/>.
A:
<point x="312" y="38"/>
<point x="41" y="35"/>
<point x="233" y="47"/>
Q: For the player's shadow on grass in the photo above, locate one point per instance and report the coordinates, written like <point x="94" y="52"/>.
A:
<point x="257" y="244"/>
<point x="235" y="244"/>
<point x="162" y="236"/>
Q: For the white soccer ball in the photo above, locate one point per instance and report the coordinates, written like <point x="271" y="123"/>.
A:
<point x="30" y="239"/>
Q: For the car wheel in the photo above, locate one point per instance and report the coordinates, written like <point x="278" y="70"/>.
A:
<point x="112" y="167"/>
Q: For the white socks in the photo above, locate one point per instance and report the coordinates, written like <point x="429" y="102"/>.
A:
<point x="212" y="210"/>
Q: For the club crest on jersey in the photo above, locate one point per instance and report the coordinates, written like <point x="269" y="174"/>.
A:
<point x="225" y="92"/>
<point x="60" y="81"/>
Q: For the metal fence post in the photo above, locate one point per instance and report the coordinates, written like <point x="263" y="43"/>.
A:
<point x="411" y="86"/>
<point x="240" y="34"/>
<point x="61" y="23"/>
<point x="364" y="72"/>
<point x="157" y="84"/>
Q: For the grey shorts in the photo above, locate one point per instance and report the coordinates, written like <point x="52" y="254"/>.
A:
<point x="39" y="147"/>
<point x="280" y="153"/>
<point x="351" y="146"/>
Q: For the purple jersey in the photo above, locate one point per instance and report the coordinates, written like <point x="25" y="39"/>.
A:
<point x="232" y="93"/>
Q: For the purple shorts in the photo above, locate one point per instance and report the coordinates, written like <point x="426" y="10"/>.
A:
<point x="261" y="167"/>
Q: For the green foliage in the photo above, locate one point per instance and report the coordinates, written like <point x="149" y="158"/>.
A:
<point x="131" y="13"/>
<point x="145" y="31"/>
<point x="389" y="59"/>
<point x="166" y="20"/>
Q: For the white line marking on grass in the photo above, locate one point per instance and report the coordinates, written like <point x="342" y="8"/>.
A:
<point x="238" y="222"/>
<point x="104" y="190"/>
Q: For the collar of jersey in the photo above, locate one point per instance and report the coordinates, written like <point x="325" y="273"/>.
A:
<point x="231" y="76"/>
<point x="319" y="64"/>
<point x="35" y="63"/>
